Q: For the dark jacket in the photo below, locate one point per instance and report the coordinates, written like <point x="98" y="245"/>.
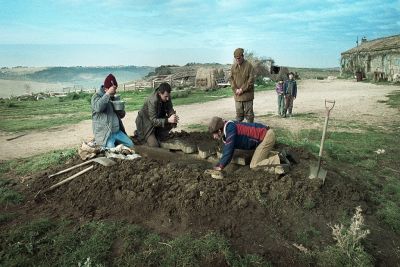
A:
<point x="240" y="135"/>
<point x="154" y="113"/>
<point x="104" y="118"/>
<point x="286" y="87"/>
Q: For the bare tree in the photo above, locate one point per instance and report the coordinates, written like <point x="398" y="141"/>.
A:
<point x="261" y="65"/>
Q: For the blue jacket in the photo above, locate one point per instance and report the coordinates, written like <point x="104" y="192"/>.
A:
<point x="240" y="135"/>
<point x="285" y="87"/>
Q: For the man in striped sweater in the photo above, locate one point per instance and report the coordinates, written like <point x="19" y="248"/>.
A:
<point x="241" y="135"/>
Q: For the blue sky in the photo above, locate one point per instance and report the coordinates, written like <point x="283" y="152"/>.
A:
<point x="120" y="32"/>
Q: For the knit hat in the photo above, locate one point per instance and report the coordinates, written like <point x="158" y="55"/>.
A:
<point x="238" y="52"/>
<point x="216" y="124"/>
<point x="110" y="81"/>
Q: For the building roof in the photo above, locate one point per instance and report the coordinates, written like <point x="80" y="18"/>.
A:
<point x="380" y="44"/>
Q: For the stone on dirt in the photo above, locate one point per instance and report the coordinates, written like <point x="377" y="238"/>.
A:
<point x="176" y="144"/>
<point x="205" y="150"/>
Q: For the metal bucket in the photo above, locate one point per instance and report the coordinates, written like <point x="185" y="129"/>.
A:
<point x="118" y="105"/>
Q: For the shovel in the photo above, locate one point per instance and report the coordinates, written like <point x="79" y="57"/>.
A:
<point x="51" y="188"/>
<point x="101" y="160"/>
<point x="315" y="170"/>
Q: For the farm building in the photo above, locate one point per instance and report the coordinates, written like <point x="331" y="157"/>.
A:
<point x="377" y="59"/>
<point x="181" y="78"/>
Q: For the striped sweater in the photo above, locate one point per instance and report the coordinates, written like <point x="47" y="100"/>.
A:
<point x="240" y="135"/>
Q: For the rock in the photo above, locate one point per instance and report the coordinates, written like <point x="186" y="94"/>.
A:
<point x="176" y="144"/>
<point x="205" y="151"/>
<point x="243" y="203"/>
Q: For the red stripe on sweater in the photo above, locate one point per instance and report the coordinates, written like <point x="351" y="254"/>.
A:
<point x="251" y="131"/>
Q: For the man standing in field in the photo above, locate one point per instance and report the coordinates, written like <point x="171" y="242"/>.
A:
<point x="107" y="126"/>
<point x="242" y="82"/>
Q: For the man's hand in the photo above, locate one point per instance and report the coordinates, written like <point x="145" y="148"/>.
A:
<point x="239" y="91"/>
<point x="173" y="118"/>
<point x="112" y="90"/>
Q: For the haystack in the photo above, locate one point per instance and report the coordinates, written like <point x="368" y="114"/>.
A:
<point x="206" y="77"/>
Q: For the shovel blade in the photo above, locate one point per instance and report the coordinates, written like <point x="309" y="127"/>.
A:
<point x="104" y="161"/>
<point x="315" y="173"/>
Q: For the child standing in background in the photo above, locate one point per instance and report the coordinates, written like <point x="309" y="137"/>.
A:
<point x="281" y="97"/>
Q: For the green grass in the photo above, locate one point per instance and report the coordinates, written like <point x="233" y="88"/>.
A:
<point x="306" y="235"/>
<point x="36" y="163"/>
<point x="353" y="154"/>
<point x="309" y="204"/>
<point x="394" y="99"/>
<point x="198" y="127"/>
<point x="28" y="166"/>
<point x="390" y="213"/>
<point x="59" y="243"/>
<point x="17" y="116"/>
<point x="7" y="194"/>
<point x="6" y="217"/>
<point x="333" y="256"/>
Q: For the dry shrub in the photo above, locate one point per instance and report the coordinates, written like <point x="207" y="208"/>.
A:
<point x="348" y="250"/>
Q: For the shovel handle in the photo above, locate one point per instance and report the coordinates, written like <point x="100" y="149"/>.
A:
<point x="71" y="168"/>
<point x="67" y="180"/>
<point x="328" y="109"/>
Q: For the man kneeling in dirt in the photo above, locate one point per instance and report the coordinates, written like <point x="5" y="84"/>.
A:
<point x="107" y="126"/>
<point x="157" y="117"/>
<point x="247" y="136"/>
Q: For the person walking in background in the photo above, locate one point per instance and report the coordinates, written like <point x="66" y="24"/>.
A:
<point x="242" y="82"/>
<point x="157" y="117"/>
<point x="107" y="126"/>
<point x="281" y="97"/>
<point x="290" y="92"/>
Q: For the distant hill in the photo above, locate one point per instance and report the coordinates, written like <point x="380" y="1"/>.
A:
<point x="75" y="76"/>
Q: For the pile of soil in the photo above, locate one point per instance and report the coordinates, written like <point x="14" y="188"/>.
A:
<point x="169" y="193"/>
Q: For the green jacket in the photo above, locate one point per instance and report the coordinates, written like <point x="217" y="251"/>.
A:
<point x="104" y="119"/>
<point x="242" y="76"/>
<point x="154" y="113"/>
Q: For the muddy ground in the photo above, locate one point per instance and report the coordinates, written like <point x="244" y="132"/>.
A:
<point x="169" y="193"/>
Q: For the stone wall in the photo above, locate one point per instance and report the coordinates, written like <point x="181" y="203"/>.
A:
<point x="385" y="64"/>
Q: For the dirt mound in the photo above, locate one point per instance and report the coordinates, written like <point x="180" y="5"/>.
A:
<point x="168" y="192"/>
